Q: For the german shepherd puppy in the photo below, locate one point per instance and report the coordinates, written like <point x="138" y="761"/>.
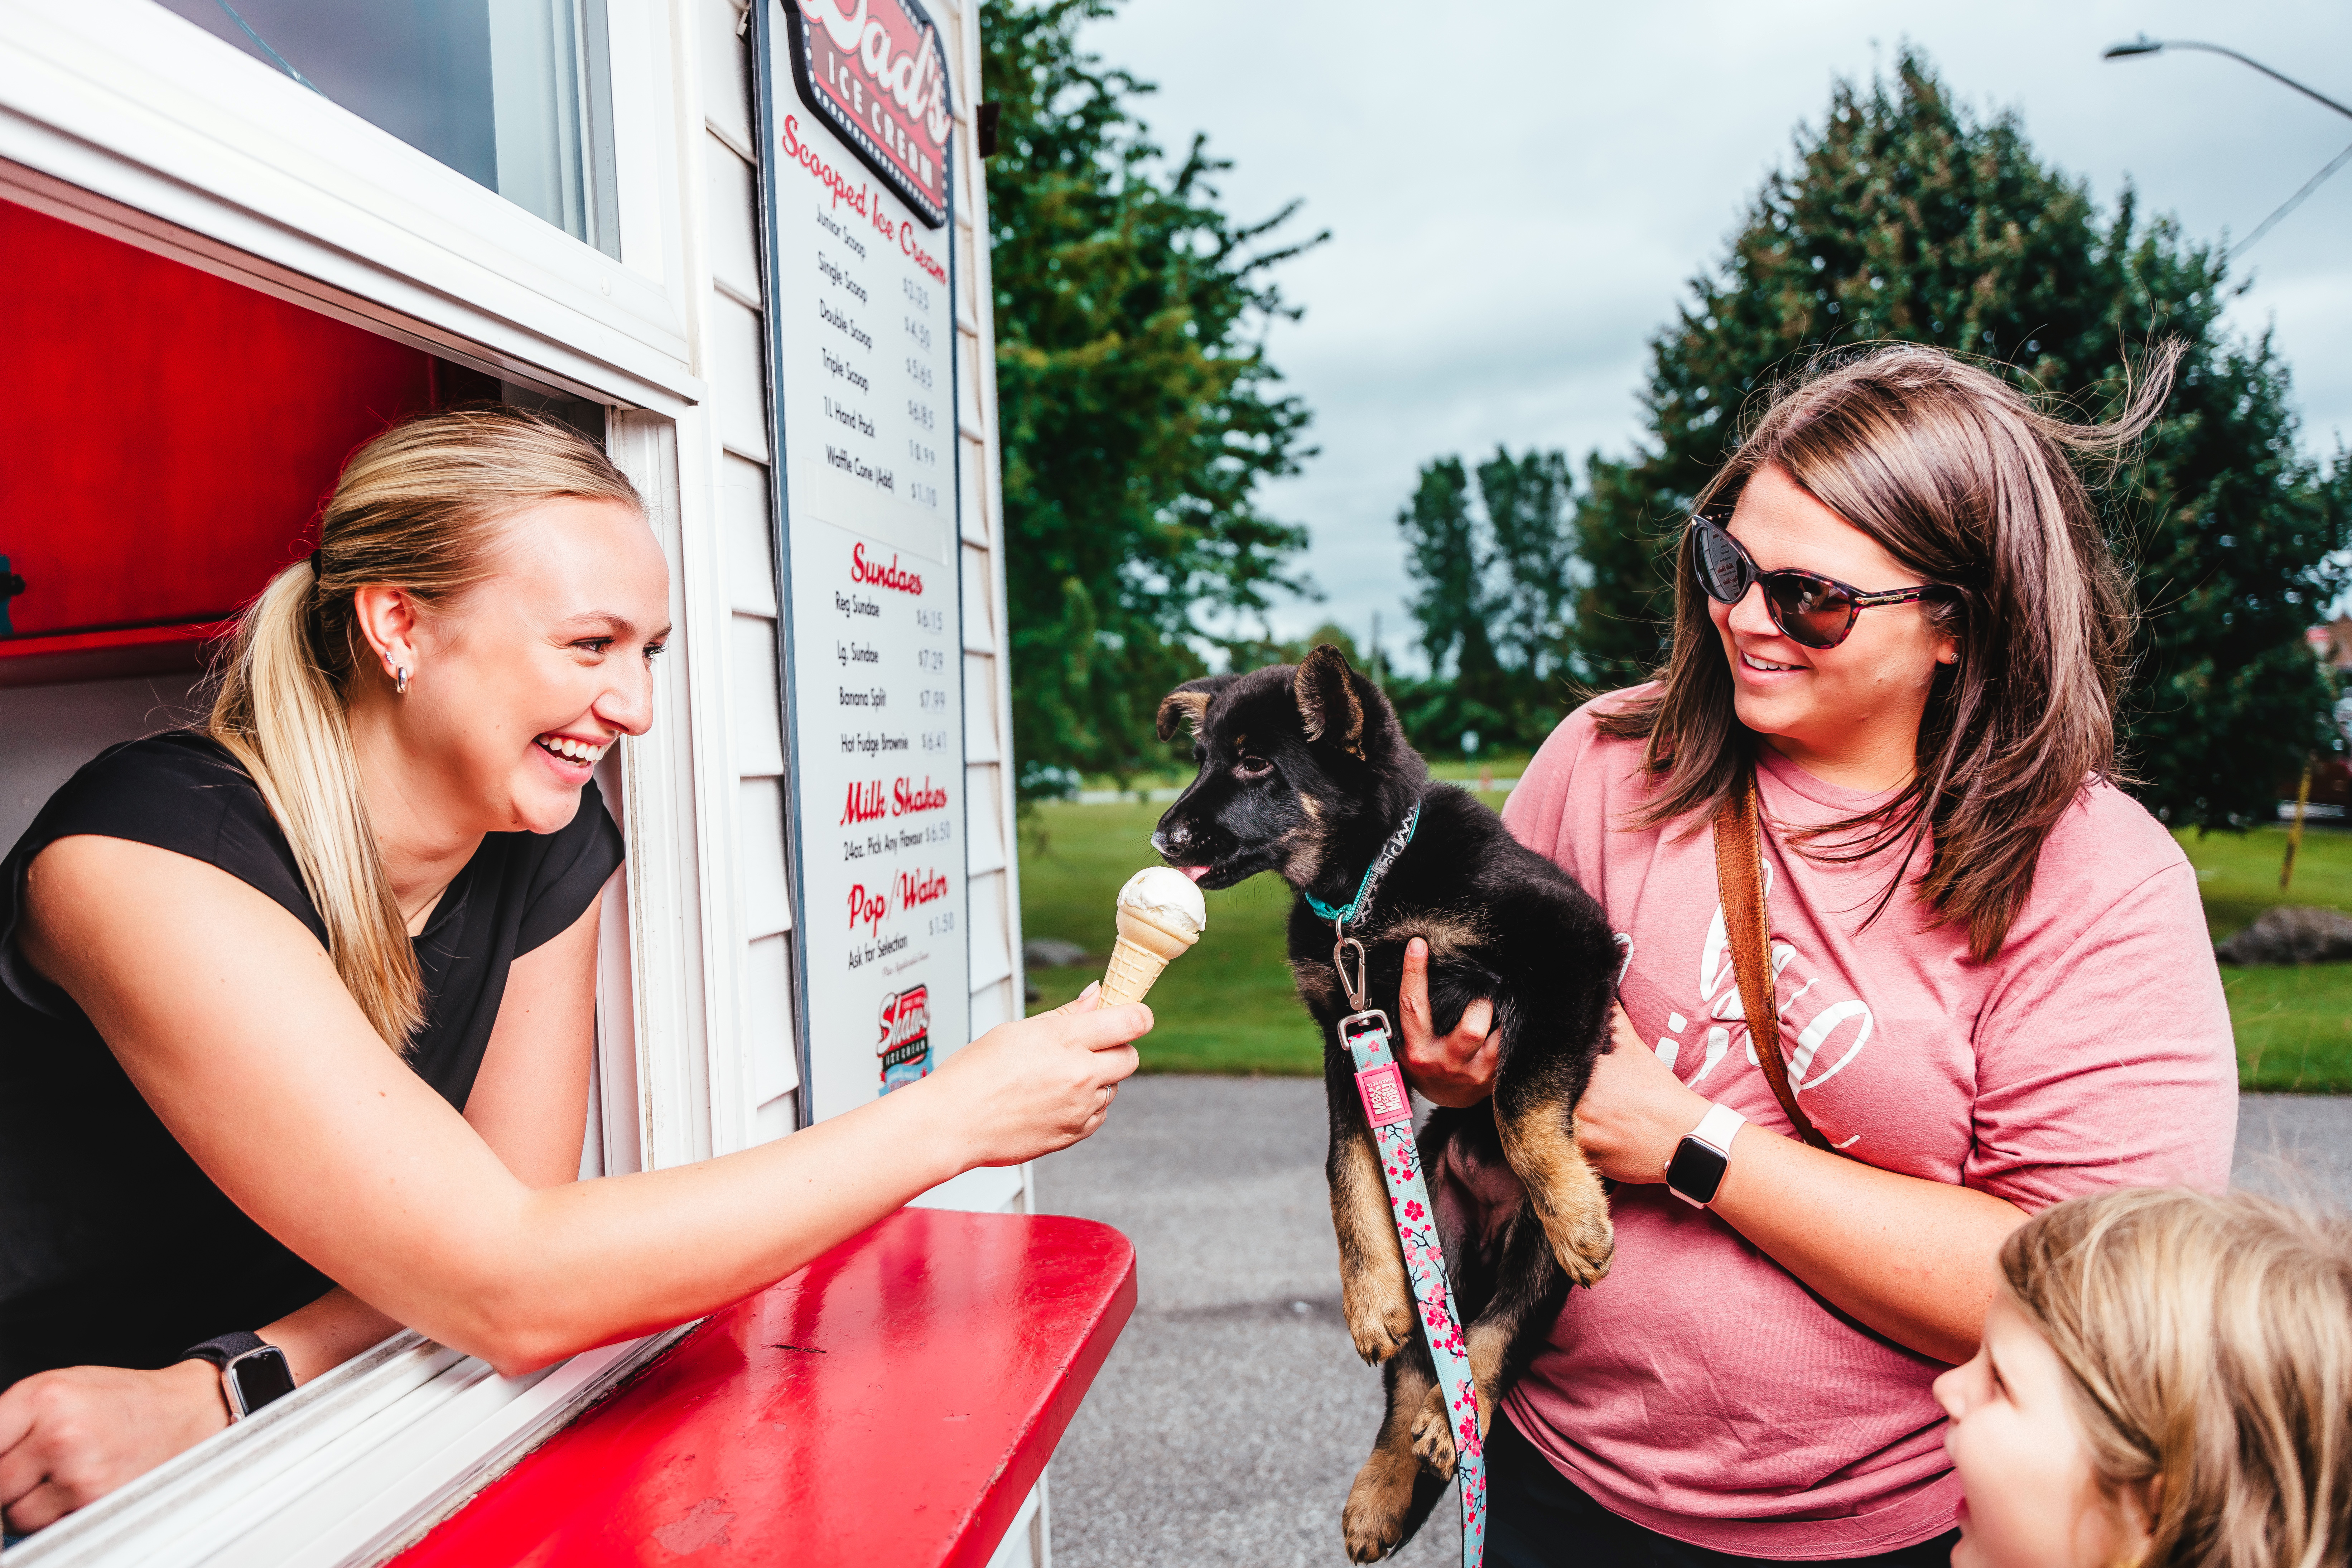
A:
<point x="1303" y="772"/>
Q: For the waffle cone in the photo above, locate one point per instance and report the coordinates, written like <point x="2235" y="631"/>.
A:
<point x="1133" y="968"/>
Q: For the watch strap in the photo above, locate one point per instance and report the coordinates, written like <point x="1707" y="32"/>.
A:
<point x="1718" y="1128"/>
<point x="1710" y="1143"/>
<point x="223" y="1349"/>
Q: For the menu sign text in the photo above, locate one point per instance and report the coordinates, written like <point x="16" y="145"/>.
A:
<point x="862" y="344"/>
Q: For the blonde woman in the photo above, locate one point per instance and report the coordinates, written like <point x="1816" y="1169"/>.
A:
<point x="1897" y="621"/>
<point x="2165" y="1382"/>
<point x="296" y="1009"/>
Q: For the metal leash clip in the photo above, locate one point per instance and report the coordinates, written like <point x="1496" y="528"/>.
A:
<point x="1354" y="989"/>
<point x="1363" y="1020"/>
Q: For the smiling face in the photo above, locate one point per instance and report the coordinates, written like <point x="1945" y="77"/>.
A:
<point x="517" y="688"/>
<point x="1850" y="713"/>
<point x="2032" y="1499"/>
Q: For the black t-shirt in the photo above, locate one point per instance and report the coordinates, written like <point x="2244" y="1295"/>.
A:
<point x="115" y="1248"/>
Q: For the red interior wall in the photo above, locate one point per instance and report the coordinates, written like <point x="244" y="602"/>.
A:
<point x="173" y="433"/>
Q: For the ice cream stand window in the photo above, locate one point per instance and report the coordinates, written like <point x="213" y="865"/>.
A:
<point x="223" y="277"/>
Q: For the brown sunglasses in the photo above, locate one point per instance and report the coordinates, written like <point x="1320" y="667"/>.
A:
<point x="1816" y="611"/>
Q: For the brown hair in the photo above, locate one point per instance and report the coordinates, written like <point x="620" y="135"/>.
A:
<point x="1959" y="476"/>
<point x="2208" y="1341"/>
<point x="419" y="507"/>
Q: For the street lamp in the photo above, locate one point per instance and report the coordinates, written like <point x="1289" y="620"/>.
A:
<point x="2143" y="45"/>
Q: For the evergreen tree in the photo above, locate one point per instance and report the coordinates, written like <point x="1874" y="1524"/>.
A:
<point x="1449" y="558"/>
<point x="1490" y="556"/>
<point x="1139" y="411"/>
<point x="1527" y="501"/>
<point x="1906" y="218"/>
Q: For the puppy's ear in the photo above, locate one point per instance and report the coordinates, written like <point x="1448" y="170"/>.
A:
<point x="1327" y="705"/>
<point x="1187" y="704"/>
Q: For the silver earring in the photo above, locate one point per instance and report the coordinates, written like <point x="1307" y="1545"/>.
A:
<point x="400" y="682"/>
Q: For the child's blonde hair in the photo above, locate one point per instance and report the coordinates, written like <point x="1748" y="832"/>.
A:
<point x="2209" y="1343"/>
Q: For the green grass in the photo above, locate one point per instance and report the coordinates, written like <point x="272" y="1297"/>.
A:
<point x="2239" y="875"/>
<point x="1227" y="1007"/>
<point x="2294" y="1026"/>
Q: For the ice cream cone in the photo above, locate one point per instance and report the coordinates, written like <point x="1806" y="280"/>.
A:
<point x="1160" y="916"/>
<point x="1142" y="951"/>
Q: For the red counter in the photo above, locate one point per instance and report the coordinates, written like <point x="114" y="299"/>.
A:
<point x="890" y="1406"/>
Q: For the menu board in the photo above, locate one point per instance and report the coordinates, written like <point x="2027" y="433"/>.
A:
<point x="861" y="355"/>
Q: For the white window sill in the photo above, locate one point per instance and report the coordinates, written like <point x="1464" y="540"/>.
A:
<point x="354" y="1468"/>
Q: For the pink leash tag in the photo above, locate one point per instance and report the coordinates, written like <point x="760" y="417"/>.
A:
<point x="1385" y="1101"/>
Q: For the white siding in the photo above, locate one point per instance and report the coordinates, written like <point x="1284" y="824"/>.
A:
<point x="733" y="364"/>
<point x="766" y="1065"/>
<point x="737" y="410"/>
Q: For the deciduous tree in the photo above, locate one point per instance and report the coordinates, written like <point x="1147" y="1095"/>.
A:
<point x="1138" y="410"/>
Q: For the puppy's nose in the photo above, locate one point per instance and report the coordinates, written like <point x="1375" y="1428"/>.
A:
<point x="1159" y="843"/>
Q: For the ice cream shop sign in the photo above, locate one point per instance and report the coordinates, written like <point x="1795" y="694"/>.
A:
<point x="873" y="70"/>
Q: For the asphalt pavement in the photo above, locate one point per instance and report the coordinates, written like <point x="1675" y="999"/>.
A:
<point x="1232" y="1413"/>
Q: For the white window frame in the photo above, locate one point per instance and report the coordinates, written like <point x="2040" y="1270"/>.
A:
<point x="249" y="177"/>
<point x="212" y="156"/>
<point x="358" y="1466"/>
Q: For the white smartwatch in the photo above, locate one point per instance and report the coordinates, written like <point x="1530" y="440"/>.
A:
<point x="1695" y="1172"/>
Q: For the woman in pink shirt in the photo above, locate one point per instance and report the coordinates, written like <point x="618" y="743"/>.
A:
<point x="1993" y="981"/>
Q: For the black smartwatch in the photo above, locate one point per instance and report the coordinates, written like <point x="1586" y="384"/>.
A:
<point x="253" y="1374"/>
<point x="1695" y="1172"/>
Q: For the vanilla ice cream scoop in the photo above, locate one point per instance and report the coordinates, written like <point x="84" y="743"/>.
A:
<point x="1161" y="915"/>
<point x="1169" y="899"/>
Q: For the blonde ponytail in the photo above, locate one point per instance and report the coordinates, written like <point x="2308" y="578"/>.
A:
<point x="421" y="509"/>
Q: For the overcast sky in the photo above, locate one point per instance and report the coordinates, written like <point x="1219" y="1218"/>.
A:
<point x="1518" y="192"/>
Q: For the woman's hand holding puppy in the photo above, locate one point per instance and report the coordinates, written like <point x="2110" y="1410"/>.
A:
<point x="1455" y="1069"/>
<point x="1910" y="1258"/>
<point x="1631" y="1115"/>
<point x="1635" y="1110"/>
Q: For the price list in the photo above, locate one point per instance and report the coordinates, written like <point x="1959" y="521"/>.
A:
<point x="864" y="339"/>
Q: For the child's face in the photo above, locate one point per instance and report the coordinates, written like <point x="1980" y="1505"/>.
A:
<point x="2032" y="1499"/>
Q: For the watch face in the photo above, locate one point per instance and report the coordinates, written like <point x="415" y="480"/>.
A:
<point x="1695" y="1172"/>
<point x="260" y="1377"/>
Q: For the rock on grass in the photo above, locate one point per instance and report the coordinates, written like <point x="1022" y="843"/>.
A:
<point x="2291" y="934"/>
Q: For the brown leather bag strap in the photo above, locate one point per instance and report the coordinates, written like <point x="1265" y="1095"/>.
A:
<point x="1740" y="879"/>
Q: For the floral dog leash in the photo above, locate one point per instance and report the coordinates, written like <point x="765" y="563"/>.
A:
<point x="1365" y="1034"/>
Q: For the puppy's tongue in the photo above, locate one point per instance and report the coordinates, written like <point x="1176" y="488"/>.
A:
<point x="1195" y="872"/>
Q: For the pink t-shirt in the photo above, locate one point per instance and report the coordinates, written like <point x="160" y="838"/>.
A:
<point x="1700" y="1390"/>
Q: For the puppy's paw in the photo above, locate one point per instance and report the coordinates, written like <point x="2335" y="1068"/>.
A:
<point x="1372" y="1524"/>
<point x="1433" y="1432"/>
<point x="1585" y="1243"/>
<point x="1379" y="1313"/>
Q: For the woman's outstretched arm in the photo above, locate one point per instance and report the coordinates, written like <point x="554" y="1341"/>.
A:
<point x="229" y="1017"/>
<point x="72" y="1435"/>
